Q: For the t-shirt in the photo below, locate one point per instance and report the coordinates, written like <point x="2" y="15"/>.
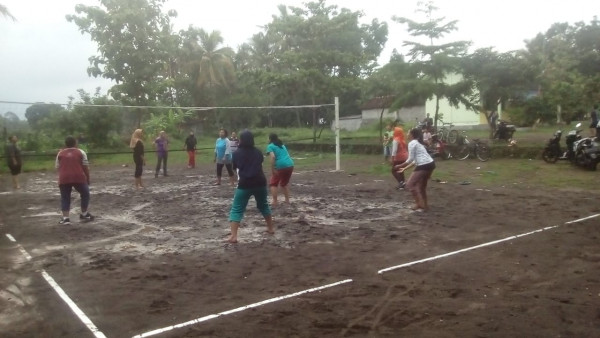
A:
<point x="249" y="163"/>
<point x="161" y="145"/>
<point x="138" y="152"/>
<point x="13" y="151"/>
<point x="190" y="143"/>
<point x="222" y="148"/>
<point x="387" y="137"/>
<point x="70" y="163"/>
<point x="282" y="157"/>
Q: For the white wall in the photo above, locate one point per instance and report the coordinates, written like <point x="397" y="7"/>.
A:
<point x="459" y="116"/>
<point x="406" y="115"/>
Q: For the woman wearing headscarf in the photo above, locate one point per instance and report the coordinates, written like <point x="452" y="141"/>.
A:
<point x="419" y="157"/>
<point x="137" y="145"/>
<point x="399" y="155"/>
<point x="252" y="182"/>
<point x="282" y="167"/>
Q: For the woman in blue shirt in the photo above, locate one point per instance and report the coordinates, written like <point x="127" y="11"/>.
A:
<point x="223" y="156"/>
<point x="282" y="167"/>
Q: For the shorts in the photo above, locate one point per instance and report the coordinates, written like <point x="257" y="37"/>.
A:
<point x="387" y="151"/>
<point x="14" y="169"/>
<point x="281" y="177"/>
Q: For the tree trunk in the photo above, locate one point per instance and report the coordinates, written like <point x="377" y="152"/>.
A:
<point x="559" y="114"/>
<point x="381" y="124"/>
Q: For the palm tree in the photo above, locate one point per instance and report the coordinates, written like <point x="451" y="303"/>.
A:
<point x="208" y="66"/>
<point x="4" y="12"/>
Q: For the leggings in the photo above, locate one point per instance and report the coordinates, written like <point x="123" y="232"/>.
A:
<point x="220" y="169"/>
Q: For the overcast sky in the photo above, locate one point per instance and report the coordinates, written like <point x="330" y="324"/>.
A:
<point x="43" y="58"/>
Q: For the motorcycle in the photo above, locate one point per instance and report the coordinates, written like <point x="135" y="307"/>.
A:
<point x="587" y="152"/>
<point x="504" y="131"/>
<point x="553" y="152"/>
<point x="437" y="148"/>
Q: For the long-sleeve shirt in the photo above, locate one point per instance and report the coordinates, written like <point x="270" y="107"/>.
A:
<point x="418" y="153"/>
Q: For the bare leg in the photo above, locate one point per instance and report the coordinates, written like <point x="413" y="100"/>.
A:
<point x="234" y="232"/>
<point x="286" y="193"/>
<point x="269" y="221"/>
<point x="15" y="179"/>
<point x="232" y="180"/>
<point x="274" y="194"/>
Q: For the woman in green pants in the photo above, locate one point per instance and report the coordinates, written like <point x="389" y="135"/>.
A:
<point x="252" y="182"/>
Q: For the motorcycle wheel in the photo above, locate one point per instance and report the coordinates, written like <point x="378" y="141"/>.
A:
<point x="463" y="152"/>
<point x="582" y="160"/>
<point x="549" y="156"/>
<point x="452" y="136"/>
<point x="483" y="152"/>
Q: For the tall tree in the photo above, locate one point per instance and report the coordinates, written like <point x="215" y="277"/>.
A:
<point x="133" y="38"/>
<point x="208" y="65"/>
<point x="319" y="52"/>
<point x="437" y="61"/>
<point x="497" y="77"/>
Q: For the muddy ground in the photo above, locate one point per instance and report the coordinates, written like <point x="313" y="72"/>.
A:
<point x="157" y="258"/>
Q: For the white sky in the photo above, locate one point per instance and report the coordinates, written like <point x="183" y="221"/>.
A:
<point x="43" y="58"/>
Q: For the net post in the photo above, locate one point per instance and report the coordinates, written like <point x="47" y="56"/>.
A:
<point x="337" y="134"/>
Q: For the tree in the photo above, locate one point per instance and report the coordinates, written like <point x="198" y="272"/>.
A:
<point x="318" y="52"/>
<point x="436" y="62"/>
<point x="497" y="77"/>
<point x="6" y="13"/>
<point x="133" y="38"/>
<point x="39" y="111"/>
<point x="208" y="66"/>
<point x="97" y="116"/>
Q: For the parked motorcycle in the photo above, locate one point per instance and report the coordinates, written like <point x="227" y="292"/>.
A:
<point x="587" y="152"/>
<point x="504" y="131"/>
<point x="437" y="148"/>
<point x="553" y="152"/>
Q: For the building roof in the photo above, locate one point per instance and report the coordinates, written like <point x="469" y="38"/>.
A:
<point x="378" y="102"/>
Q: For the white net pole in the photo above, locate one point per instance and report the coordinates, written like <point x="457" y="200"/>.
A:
<point x="337" y="134"/>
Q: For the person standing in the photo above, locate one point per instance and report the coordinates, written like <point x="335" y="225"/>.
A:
<point x="223" y="157"/>
<point x="387" y="139"/>
<point x="137" y="145"/>
<point x="282" y="167"/>
<point x="73" y="172"/>
<point x="252" y="182"/>
<point x="399" y="155"/>
<point x="417" y="183"/>
<point x="190" y="147"/>
<point x="594" y="125"/>
<point x="13" y="159"/>
<point x="162" y="150"/>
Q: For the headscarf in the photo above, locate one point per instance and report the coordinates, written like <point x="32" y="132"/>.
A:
<point x="137" y="136"/>
<point x="246" y="139"/>
<point x="399" y="136"/>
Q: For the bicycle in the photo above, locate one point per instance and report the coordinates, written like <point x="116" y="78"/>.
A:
<point x="477" y="147"/>
<point x="446" y="134"/>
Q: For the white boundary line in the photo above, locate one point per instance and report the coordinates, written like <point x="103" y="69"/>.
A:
<point x="224" y="313"/>
<point x="84" y="319"/>
<point x="479" y="246"/>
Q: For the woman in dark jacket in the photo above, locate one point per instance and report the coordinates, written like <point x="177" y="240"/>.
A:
<point x="252" y="182"/>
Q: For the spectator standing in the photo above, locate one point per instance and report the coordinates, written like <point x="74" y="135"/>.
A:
<point x="73" y="172"/>
<point x="162" y="150"/>
<point x="399" y="155"/>
<point x="594" y="127"/>
<point x="190" y="147"/>
<point x="137" y="144"/>
<point x="13" y="160"/>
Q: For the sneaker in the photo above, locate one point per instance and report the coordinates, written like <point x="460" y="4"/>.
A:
<point x="401" y="186"/>
<point x="86" y="217"/>
<point x="65" y="221"/>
